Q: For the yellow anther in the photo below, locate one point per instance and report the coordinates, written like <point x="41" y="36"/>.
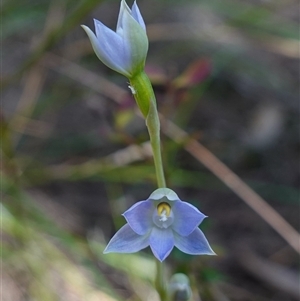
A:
<point x="163" y="209"/>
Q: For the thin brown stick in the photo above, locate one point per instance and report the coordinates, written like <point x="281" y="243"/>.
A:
<point x="240" y="188"/>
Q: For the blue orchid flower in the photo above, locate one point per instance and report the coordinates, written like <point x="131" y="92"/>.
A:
<point x="161" y="222"/>
<point x="126" y="49"/>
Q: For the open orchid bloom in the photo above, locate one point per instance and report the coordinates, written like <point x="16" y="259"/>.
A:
<point x="124" y="50"/>
<point x="161" y="222"/>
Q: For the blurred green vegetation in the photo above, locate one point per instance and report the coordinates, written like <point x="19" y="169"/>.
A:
<point x="74" y="155"/>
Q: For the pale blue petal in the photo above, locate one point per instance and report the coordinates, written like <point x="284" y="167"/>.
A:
<point x="123" y="8"/>
<point x="127" y="241"/>
<point x="161" y="242"/>
<point x="136" y="40"/>
<point x="194" y="244"/>
<point x="112" y="49"/>
<point x="101" y="52"/>
<point x="127" y="28"/>
<point x="139" y="217"/>
<point x="186" y="218"/>
<point x="136" y="14"/>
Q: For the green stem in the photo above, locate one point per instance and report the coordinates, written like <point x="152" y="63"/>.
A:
<point x="155" y="144"/>
<point x="159" y="281"/>
<point x="143" y="93"/>
<point x="145" y="98"/>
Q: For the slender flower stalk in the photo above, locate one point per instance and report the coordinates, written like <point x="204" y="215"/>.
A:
<point x="145" y="98"/>
<point x="160" y="284"/>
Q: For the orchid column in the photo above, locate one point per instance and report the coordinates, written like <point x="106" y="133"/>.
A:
<point x="125" y="51"/>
